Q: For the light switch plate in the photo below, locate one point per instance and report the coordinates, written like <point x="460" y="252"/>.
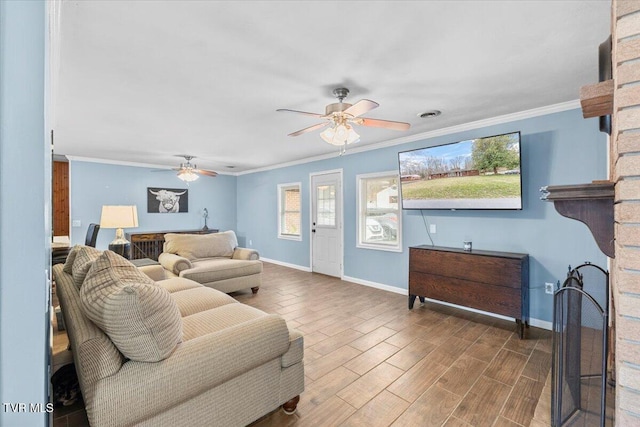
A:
<point x="548" y="288"/>
<point x="432" y="228"/>
<point x="76" y="223"/>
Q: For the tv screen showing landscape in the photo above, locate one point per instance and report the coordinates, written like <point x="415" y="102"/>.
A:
<point x="481" y="173"/>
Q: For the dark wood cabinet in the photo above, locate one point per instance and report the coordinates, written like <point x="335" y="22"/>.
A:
<point x="148" y="244"/>
<point x="496" y="282"/>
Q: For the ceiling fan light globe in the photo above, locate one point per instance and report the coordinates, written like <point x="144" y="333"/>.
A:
<point x="187" y="175"/>
<point x="340" y="135"/>
<point x="342" y="132"/>
<point x="328" y="135"/>
<point x="352" y="136"/>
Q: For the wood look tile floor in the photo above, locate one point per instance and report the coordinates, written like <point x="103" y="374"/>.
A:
<point x="369" y="361"/>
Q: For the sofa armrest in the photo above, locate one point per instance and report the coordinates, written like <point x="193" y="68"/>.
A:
<point x="155" y="272"/>
<point x="246" y="254"/>
<point x="195" y="366"/>
<point x="295" y="354"/>
<point x="174" y="263"/>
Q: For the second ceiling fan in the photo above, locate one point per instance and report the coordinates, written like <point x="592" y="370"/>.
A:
<point x="340" y="116"/>
<point x="189" y="172"/>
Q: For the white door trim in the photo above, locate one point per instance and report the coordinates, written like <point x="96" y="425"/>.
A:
<point x="341" y="217"/>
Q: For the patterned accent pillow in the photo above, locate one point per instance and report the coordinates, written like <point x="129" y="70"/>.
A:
<point x="141" y="318"/>
<point x="68" y="264"/>
<point x="82" y="262"/>
<point x="197" y="246"/>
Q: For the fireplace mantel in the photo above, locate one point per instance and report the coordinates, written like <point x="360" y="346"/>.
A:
<point x="591" y="204"/>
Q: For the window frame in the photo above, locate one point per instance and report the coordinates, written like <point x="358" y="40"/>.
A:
<point x="361" y="211"/>
<point x="282" y="188"/>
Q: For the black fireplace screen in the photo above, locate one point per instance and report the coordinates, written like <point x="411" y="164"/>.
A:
<point x="579" y="369"/>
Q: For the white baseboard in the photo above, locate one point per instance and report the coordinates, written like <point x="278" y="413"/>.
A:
<point x="286" y="264"/>
<point x="375" y="285"/>
<point x="542" y="324"/>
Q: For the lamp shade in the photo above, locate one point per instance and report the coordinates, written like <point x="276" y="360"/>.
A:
<point x="119" y="217"/>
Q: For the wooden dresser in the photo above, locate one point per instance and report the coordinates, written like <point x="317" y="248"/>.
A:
<point x="496" y="282"/>
<point x="148" y="244"/>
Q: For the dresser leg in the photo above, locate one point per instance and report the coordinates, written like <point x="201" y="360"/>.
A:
<point x="421" y="299"/>
<point x="412" y="299"/>
<point x="520" y="324"/>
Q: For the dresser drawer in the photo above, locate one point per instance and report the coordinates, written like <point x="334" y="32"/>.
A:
<point x="495" y="299"/>
<point x="477" y="268"/>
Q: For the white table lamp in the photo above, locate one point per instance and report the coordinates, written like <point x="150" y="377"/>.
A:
<point x="119" y="217"/>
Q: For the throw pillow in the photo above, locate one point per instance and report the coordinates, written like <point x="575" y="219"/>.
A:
<point x="83" y="260"/>
<point x="68" y="264"/>
<point x="141" y="318"/>
<point x="197" y="246"/>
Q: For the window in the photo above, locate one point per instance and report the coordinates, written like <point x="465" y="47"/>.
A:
<point x="379" y="217"/>
<point x="326" y="205"/>
<point x="289" y="211"/>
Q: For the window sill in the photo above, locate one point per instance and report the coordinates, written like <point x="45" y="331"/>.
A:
<point x="294" y="238"/>
<point x="379" y="247"/>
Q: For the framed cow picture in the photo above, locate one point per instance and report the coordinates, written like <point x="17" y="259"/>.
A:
<point x="167" y="200"/>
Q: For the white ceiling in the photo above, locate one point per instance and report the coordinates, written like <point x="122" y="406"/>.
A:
<point x="142" y="81"/>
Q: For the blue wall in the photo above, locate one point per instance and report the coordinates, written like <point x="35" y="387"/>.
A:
<point x="95" y="184"/>
<point x="560" y="148"/>
<point x="25" y="188"/>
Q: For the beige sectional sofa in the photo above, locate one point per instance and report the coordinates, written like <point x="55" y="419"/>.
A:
<point x="213" y="260"/>
<point x="172" y="352"/>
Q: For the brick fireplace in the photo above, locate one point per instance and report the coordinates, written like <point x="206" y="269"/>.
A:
<point x="625" y="173"/>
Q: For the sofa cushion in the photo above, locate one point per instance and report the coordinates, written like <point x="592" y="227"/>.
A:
<point x="195" y="246"/>
<point x="141" y="318"/>
<point x="191" y="301"/>
<point x="212" y="270"/>
<point x="176" y="284"/>
<point x="82" y="262"/>
<point x="211" y="321"/>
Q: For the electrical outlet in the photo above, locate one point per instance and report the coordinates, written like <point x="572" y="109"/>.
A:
<point x="76" y="223"/>
<point x="548" y="288"/>
<point x="432" y="228"/>
<point x="250" y="242"/>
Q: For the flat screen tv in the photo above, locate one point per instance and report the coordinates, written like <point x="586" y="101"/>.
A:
<point x="481" y="173"/>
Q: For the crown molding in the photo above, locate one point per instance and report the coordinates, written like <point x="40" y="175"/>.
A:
<point x="521" y="115"/>
<point x="116" y="162"/>
<point x="507" y="118"/>
<point x="125" y="163"/>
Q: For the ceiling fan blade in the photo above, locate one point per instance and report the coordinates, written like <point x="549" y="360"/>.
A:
<point x="309" y="129"/>
<point x="361" y="107"/>
<point x="300" y="112"/>
<point x="205" y="172"/>
<point x="387" y="124"/>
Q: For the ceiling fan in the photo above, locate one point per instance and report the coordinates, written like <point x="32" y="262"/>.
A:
<point x="341" y="115"/>
<point x="189" y="172"/>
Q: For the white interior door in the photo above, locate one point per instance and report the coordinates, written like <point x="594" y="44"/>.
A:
<point x="326" y="223"/>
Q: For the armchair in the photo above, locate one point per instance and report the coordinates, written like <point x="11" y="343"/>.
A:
<point x="213" y="260"/>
